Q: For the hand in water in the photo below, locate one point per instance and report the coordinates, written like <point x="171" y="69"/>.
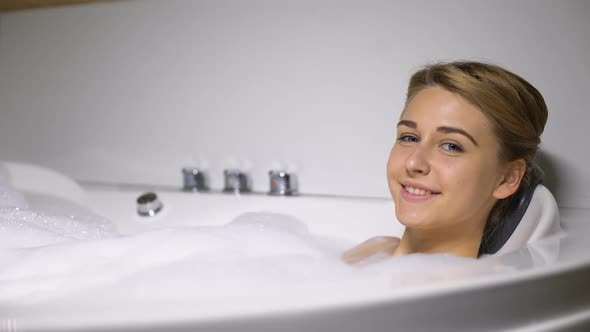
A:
<point x="375" y="245"/>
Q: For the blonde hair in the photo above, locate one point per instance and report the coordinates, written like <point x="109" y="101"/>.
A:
<point x="515" y="108"/>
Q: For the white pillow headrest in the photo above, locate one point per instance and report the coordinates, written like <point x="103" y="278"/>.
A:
<point x="540" y="220"/>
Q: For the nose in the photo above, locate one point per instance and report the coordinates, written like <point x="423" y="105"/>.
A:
<point x="417" y="162"/>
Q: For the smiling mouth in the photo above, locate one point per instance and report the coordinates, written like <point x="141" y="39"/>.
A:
<point x="417" y="191"/>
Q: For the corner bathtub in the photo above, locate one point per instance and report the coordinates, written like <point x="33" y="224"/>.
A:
<point x="545" y="287"/>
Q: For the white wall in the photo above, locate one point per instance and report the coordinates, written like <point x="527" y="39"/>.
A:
<point x="132" y="91"/>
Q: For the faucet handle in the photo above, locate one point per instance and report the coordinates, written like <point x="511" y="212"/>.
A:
<point x="235" y="181"/>
<point x="282" y="183"/>
<point x="194" y="179"/>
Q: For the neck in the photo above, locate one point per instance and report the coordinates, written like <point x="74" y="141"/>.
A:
<point x="461" y="243"/>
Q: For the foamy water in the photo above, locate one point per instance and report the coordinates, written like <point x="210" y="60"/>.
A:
<point x="48" y="255"/>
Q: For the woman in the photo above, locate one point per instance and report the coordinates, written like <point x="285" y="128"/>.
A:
<point x="465" y="149"/>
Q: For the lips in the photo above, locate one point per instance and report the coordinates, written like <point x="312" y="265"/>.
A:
<point x="416" y="192"/>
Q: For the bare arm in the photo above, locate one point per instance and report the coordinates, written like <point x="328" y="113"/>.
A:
<point x="374" y="245"/>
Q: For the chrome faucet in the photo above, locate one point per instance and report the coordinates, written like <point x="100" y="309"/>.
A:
<point x="148" y="205"/>
<point x="236" y="181"/>
<point x="194" y="179"/>
<point x="282" y="183"/>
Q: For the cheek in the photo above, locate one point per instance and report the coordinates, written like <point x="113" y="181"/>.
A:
<point x="393" y="166"/>
<point x="393" y="163"/>
<point x="472" y="178"/>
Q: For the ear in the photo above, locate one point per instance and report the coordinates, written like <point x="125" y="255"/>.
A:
<point x="510" y="180"/>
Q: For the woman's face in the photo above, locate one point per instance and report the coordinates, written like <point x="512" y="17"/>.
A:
<point x="443" y="168"/>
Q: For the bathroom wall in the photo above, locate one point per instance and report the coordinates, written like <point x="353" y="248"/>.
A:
<point x="132" y="91"/>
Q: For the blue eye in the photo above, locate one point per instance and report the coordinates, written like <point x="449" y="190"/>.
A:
<point x="452" y="147"/>
<point x="408" y="139"/>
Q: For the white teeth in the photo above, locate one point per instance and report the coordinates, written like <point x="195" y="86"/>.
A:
<point x="416" y="191"/>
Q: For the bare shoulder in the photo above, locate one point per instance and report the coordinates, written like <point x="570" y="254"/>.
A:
<point x="374" y="245"/>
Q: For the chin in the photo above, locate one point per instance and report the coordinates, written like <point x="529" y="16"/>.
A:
<point x="412" y="220"/>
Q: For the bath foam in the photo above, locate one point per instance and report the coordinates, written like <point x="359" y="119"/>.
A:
<point x="9" y="198"/>
<point x="23" y="228"/>
<point x="245" y="248"/>
<point x="30" y="220"/>
<point x="256" y="253"/>
<point x="63" y="251"/>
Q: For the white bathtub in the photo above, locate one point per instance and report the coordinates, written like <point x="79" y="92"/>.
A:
<point x="541" y="287"/>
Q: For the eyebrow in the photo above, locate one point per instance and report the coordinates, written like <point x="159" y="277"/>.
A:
<point x="444" y="129"/>
<point x="407" y="123"/>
